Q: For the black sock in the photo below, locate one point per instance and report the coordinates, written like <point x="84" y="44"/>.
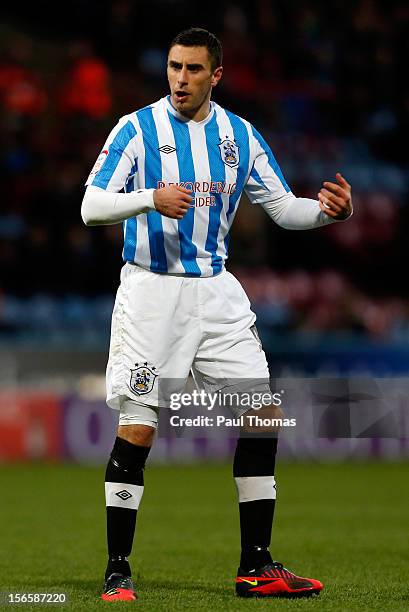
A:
<point x="255" y="457"/>
<point x="124" y="487"/>
<point x="118" y="565"/>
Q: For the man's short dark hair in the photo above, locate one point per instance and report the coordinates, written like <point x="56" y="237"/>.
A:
<point x="197" y="37"/>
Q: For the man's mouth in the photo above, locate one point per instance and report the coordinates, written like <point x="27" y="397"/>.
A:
<point x="181" y="96"/>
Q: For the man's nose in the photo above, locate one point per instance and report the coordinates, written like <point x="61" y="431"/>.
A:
<point x="183" y="75"/>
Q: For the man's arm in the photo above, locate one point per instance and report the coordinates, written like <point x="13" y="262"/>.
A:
<point x="266" y="186"/>
<point x="100" y="207"/>
<point x="104" y="202"/>
<point x="335" y="204"/>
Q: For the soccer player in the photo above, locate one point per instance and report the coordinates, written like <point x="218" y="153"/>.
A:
<point x="173" y="173"/>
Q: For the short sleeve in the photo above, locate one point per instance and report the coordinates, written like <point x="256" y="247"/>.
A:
<point x="266" y="182"/>
<point x="118" y="158"/>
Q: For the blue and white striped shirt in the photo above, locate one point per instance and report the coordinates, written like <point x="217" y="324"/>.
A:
<point x="217" y="158"/>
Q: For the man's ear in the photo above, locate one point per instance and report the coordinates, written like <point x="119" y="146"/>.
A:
<point x="217" y="75"/>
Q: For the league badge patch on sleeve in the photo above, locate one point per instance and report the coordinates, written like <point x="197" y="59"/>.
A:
<point x="99" y="163"/>
<point x="229" y="152"/>
<point x="142" y="379"/>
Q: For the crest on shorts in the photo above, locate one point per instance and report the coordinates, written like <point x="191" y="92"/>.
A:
<point x="229" y="152"/>
<point x="142" y="379"/>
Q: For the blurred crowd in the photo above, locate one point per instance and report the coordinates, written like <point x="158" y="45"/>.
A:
<point x="316" y="305"/>
<point x="322" y="81"/>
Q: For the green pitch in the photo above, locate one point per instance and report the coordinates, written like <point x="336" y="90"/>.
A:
<point x="345" y="524"/>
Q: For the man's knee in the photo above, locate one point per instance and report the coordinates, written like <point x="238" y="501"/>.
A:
<point x="266" y="420"/>
<point x="140" y="435"/>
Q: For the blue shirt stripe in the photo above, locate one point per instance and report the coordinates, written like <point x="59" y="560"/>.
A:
<point x="241" y="137"/>
<point x="271" y="159"/>
<point x="130" y="232"/>
<point x="255" y="175"/>
<point x="188" y="250"/>
<point x="153" y="173"/>
<point x="217" y="173"/>
<point x="115" y="152"/>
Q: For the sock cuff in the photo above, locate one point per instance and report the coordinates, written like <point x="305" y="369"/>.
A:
<point x="123" y="495"/>
<point x="253" y="488"/>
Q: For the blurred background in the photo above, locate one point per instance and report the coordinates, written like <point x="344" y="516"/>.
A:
<point x="323" y="81"/>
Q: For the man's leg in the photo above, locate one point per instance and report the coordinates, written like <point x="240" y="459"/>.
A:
<point x="230" y="357"/>
<point x="253" y="471"/>
<point x="124" y="483"/>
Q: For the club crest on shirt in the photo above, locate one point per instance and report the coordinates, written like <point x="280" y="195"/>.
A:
<point x="142" y="379"/>
<point x="229" y="152"/>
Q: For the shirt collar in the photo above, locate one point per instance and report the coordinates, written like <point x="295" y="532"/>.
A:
<point x="184" y="119"/>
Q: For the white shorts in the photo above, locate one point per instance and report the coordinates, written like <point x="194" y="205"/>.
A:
<point x="164" y="326"/>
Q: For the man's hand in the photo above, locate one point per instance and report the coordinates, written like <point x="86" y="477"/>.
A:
<point x="172" y="201"/>
<point x="335" y="200"/>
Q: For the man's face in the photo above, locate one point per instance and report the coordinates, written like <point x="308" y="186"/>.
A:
<point x="191" y="79"/>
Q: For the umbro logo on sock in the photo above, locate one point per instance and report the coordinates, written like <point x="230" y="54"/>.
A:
<point x="124" y="494"/>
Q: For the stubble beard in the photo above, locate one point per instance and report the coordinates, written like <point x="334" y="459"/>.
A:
<point x="189" y="113"/>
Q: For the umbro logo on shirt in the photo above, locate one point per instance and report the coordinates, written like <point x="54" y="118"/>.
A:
<point x="167" y="149"/>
